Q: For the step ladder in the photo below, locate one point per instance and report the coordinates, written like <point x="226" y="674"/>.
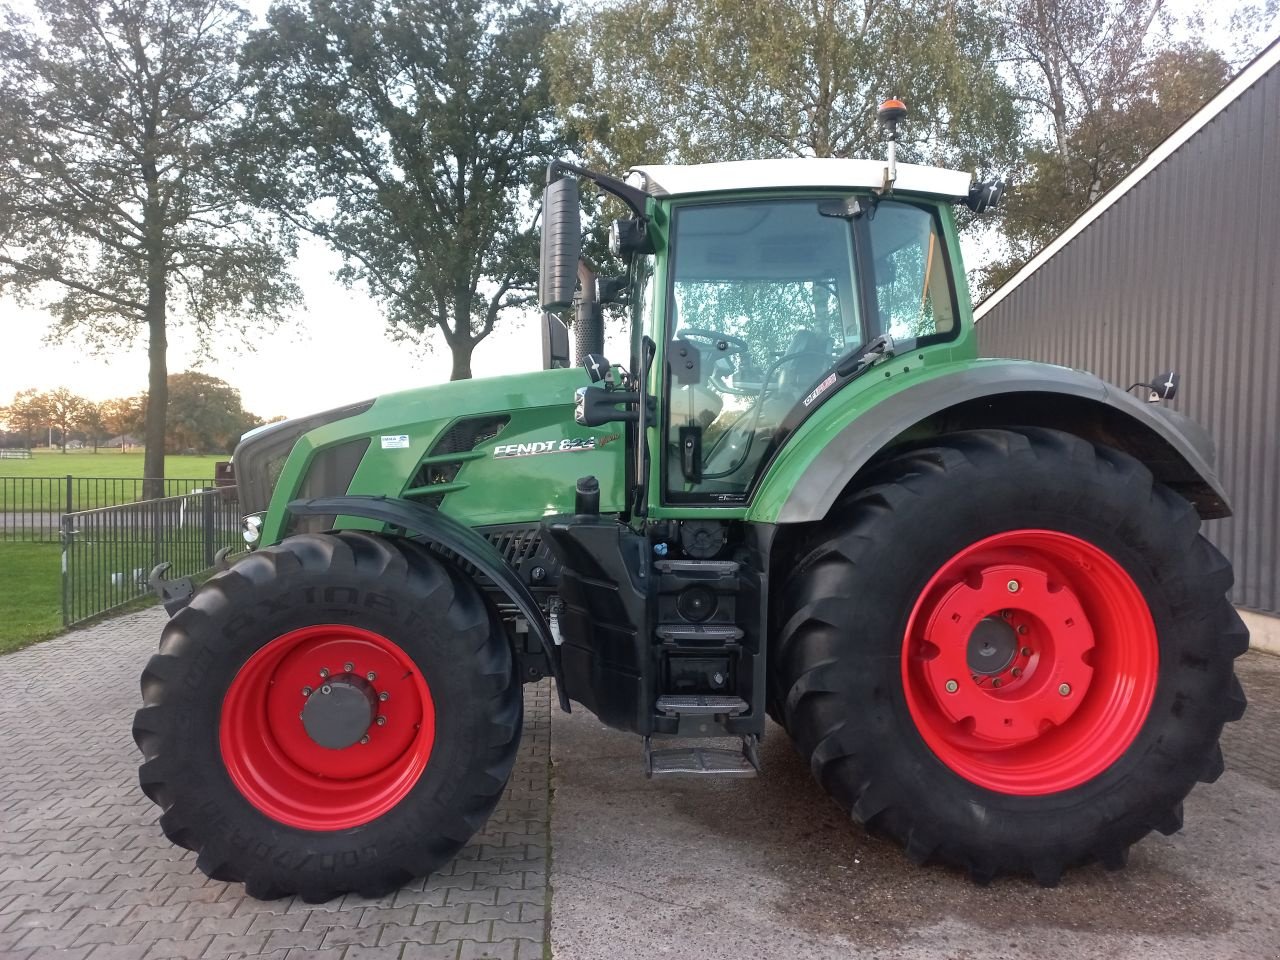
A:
<point x="740" y="761"/>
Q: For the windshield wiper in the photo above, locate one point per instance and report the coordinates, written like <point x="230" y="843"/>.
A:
<point x="874" y="351"/>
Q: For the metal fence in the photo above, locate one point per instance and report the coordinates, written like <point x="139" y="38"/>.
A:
<point x="109" y="552"/>
<point x="31" y="508"/>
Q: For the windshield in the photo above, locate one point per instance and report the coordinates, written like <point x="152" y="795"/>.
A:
<point x="764" y="299"/>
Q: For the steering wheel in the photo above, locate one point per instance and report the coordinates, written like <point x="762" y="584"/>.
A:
<point x="726" y="345"/>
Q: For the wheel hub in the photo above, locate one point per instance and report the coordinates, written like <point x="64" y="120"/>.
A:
<point x="340" y="712"/>
<point x="992" y="646"/>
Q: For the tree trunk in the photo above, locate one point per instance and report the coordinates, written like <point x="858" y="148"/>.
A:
<point x="461" y="350"/>
<point x="157" y="383"/>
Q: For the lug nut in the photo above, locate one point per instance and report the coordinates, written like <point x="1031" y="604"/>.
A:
<point x="324" y="673"/>
<point x="384" y="696"/>
<point x="1064" y="689"/>
<point x="996" y="682"/>
<point x="1016" y="671"/>
<point x="1026" y="651"/>
<point x="306" y="691"/>
<point x="952" y="686"/>
<point x="365" y="738"/>
<point x="326" y="689"/>
<point x="371" y="676"/>
<point x="1022" y="628"/>
<point x="1006" y="613"/>
<point x="381" y="721"/>
<point x="1014" y="586"/>
<point x="348" y="667"/>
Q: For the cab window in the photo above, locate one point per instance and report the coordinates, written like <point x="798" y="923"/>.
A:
<point x="912" y="285"/>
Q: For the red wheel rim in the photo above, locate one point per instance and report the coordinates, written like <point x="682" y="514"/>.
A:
<point x="1071" y="695"/>
<point x="277" y="764"/>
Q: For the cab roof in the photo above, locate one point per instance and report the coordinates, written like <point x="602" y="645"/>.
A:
<point x="677" y="180"/>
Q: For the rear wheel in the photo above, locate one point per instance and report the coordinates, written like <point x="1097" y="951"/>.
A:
<point x="1012" y="652"/>
<point x="336" y="713"/>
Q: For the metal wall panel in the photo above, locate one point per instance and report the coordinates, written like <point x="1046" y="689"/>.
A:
<point x="1183" y="271"/>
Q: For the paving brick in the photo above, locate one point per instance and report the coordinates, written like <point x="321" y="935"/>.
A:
<point x="487" y="951"/>
<point x="178" y="949"/>
<point x="429" y="951"/>
<point x="389" y="952"/>
<point x="529" y="930"/>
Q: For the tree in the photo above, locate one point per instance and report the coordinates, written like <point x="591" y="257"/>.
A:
<point x="1103" y="84"/>
<point x="92" y="423"/>
<point x="205" y="414"/>
<point x="407" y="136"/>
<point x="735" y="79"/>
<point x="27" y="414"/>
<point x="122" y="416"/>
<point x="64" y="412"/>
<point x="115" y="119"/>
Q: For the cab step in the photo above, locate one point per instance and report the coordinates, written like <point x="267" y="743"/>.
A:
<point x="698" y="634"/>
<point x="701" y="705"/>
<point x="719" y="568"/>
<point x="703" y="761"/>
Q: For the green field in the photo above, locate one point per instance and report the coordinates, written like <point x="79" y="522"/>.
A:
<point x="30" y="593"/>
<point x="80" y="465"/>
<point x="104" y="463"/>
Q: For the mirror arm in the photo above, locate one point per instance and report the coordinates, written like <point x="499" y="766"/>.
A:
<point x="631" y="196"/>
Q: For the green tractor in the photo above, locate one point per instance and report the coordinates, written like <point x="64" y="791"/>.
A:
<point x="972" y="591"/>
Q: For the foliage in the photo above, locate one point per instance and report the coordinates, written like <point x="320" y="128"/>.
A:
<point x="65" y="411"/>
<point x="205" y="414"/>
<point x="407" y="135"/>
<point x="122" y="416"/>
<point x="1103" y="84"/>
<point x="652" y="81"/>
<point x="27" y="414"/>
<point x="114" y="205"/>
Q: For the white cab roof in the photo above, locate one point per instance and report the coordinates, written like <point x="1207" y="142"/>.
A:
<point x="675" y="180"/>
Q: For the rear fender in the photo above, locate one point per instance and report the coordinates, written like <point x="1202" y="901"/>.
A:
<point x="1178" y="451"/>
<point x="419" y="520"/>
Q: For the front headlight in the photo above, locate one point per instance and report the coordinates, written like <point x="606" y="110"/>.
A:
<point x="251" y="528"/>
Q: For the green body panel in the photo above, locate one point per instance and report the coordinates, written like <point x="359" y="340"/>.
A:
<point x="486" y="490"/>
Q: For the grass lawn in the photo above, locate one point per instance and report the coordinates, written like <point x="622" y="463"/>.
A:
<point x="105" y="463"/>
<point x="117" y="470"/>
<point x="30" y="593"/>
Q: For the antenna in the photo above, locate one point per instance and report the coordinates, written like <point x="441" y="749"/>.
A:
<point x="890" y="113"/>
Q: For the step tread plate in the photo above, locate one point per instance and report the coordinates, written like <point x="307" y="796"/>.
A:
<point x="722" y="568"/>
<point x="701" y="705"/>
<point x="700" y="761"/>
<point x="712" y="632"/>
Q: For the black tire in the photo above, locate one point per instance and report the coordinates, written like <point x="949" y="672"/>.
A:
<point x="837" y="658"/>
<point x="393" y="587"/>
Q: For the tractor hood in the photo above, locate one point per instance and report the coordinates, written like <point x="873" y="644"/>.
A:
<point x="488" y="451"/>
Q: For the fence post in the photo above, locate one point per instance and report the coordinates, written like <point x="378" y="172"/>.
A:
<point x="68" y="493"/>
<point x="66" y="548"/>
<point x="206" y="509"/>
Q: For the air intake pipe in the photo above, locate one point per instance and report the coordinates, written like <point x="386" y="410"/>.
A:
<point x="588" y="318"/>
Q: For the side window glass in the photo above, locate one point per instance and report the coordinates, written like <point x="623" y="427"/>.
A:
<point x="913" y="289"/>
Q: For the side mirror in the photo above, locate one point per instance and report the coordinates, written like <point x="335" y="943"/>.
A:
<point x="1164" y="386"/>
<point x="561" y="244"/>
<point x="555" y="343"/>
<point x="985" y="195"/>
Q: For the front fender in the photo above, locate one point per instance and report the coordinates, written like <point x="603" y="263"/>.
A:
<point x="995" y="392"/>
<point x="442" y="529"/>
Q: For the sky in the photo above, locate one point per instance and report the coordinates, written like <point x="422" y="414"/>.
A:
<point x="332" y="350"/>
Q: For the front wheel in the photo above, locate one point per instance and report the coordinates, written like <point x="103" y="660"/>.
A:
<point x="1011" y="651"/>
<point x="335" y="713"/>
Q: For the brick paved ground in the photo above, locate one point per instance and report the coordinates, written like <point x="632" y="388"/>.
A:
<point x="85" y="871"/>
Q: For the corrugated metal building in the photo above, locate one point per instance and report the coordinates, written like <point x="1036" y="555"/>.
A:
<point x="1179" y="266"/>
